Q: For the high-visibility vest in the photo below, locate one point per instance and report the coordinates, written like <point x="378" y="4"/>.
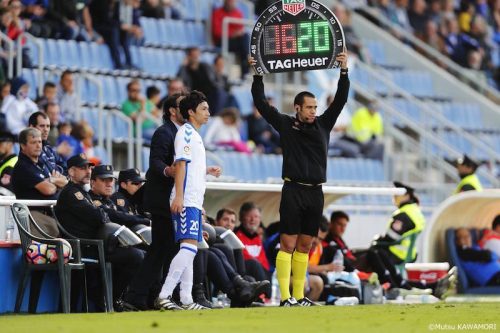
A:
<point x="9" y="163"/>
<point x="415" y="214"/>
<point x="364" y="125"/>
<point x="471" y="180"/>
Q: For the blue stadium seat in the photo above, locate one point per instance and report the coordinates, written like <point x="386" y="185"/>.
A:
<point x="145" y="158"/>
<point x="243" y="96"/>
<point x="69" y="55"/>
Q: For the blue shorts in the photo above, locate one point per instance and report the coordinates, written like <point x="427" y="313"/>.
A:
<point x="187" y="224"/>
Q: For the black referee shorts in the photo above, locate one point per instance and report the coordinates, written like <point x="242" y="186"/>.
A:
<point x="301" y="209"/>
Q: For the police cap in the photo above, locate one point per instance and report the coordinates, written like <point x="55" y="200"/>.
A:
<point x="79" y="160"/>
<point x="467" y="161"/>
<point x="7" y="137"/>
<point x="133" y="175"/>
<point x="103" y="171"/>
<point x="409" y="190"/>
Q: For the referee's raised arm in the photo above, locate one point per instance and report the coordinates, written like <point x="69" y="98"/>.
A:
<point x="329" y="117"/>
<point x="270" y="113"/>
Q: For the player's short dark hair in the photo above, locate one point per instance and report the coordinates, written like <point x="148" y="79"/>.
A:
<point x="223" y="211"/>
<point x="191" y="102"/>
<point x="132" y="82"/>
<point x="66" y="72"/>
<point x="49" y="105"/>
<point x="338" y="214"/>
<point x="496" y="222"/>
<point x="324" y="224"/>
<point x="299" y="99"/>
<point x="152" y="91"/>
<point x="246" y="207"/>
<point x="33" y="119"/>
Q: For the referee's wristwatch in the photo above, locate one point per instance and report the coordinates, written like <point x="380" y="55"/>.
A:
<point x="343" y="71"/>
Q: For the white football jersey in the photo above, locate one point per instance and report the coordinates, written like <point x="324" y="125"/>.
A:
<point x="189" y="147"/>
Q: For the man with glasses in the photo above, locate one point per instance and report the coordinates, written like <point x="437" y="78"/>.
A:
<point x="128" y="198"/>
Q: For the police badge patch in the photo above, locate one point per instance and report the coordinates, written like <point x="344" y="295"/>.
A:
<point x="120" y="202"/>
<point x="97" y="203"/>
<point x="79" y="195"/>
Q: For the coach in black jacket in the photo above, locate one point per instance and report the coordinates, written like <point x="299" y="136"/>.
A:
<point x="159" y="184"/>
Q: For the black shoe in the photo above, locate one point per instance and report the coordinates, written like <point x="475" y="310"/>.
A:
<point x="166" y="304"/>
<point x="307" y="302"/>
<point x="248" y="291"/>
<point x="134" y="306"/>
<point x="289" y="302"/>
<point x="199" y="295"/>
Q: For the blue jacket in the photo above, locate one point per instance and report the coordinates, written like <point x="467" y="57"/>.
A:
<point x="480" y="271"/>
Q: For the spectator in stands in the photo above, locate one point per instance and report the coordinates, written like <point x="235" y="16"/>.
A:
<point x="67" y="97"/>
<point x="255" y="256"/>
<point x="366" y="131"/>
<point x="11" y="25"/>
<point x="174" y="86"/>
<point x="466" y="168"/>
<point x="137" y="106"/>
<point x="18" y="106"/>
<point x="418" y="17"/>
<point x="82" y="218"/>
<point x="51" y="159"/>
<point x="238" y="39"/>
<point x="352" y="40"/>
<point x="161" y="9"/>
<point x="106" y="19"/>
<point x="491" y="238"/>
<point x="7" y="160"/>
<point x="457" y="44"/>
<point x="85" y="136"/>
<point x="198" y="75"/>
<point x="4" y="94"/>
<point x="432" y="36"/>
<point x="51" y="19"/>
<point x="128" y="198"/>
<point x="31" y="179"/>
<point x="53" y="112"/>
<point x="224" y="131"/>
<point x="479" y="31"/>
<point x="265" y="138"/>
<point x="481" y="266"/>
<point x="400" y="15"/>
<point x="65" y="137"/>
<point x="49" y="95"/>
<point x="131" y="31"/>
<point x="153" y="96"/>
<point x="222" y="97"/>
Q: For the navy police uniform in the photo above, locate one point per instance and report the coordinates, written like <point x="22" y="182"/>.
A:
<point x="131" y="204"/>
<point x="79" y="215"/>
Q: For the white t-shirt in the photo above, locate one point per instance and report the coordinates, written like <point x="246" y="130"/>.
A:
<point x="189" y="147"/>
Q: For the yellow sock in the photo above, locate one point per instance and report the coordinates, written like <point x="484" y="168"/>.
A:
<point x="299" y="269"/>
<point x="283" y="270"/>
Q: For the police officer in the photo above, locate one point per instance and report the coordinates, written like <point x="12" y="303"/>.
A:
<point x="7" y="160"/>
<point x="102" y="185"/>
<point x="77" y="213"/>
<point x="398" y="245"/>
<point x="304" y="139"/>
<point x="128" y="198"/>
<point x="466" y="168"/>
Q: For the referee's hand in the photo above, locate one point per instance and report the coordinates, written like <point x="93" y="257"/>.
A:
<point x="342" y="58"/>
<point x="252" y="62"/>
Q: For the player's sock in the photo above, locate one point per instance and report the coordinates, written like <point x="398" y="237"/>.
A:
<point x="299" y="269"/>
<point x="187" y="276"/>
<point x="177" y="267"/>
<point x="283" y="270"/>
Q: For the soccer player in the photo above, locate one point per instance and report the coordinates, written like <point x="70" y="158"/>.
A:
<point x="304" y="140"/>
<point x="187" y="203"/>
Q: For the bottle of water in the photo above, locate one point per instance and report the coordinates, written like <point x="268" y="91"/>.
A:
<point x="343" y="301"/>
<point x="338" y="259"/>
<point x="9" y="229"/>
<point x="275" y="290"/>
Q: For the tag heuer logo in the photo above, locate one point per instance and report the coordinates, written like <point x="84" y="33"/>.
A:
<point x="294" y="6"/>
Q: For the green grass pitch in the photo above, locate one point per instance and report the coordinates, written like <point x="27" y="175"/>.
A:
<point x="370" y="318"/>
